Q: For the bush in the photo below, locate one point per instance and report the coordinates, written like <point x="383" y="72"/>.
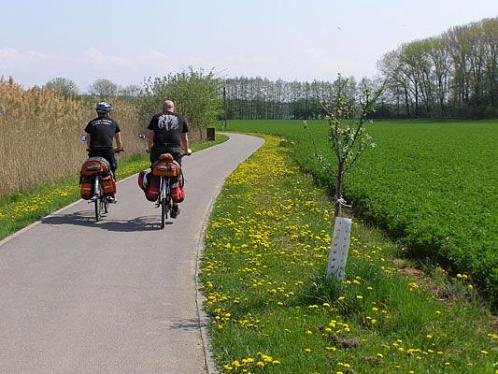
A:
<point x="196" y="97"/>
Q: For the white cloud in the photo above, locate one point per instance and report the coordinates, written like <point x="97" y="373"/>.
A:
<point x="10" y="57"/>
<point x="33" y="67"/>
<point x="97" y="59"/>
<point x="155" y="58"/>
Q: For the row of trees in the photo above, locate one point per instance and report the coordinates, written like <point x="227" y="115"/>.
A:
<point x="451" y="75"/>
<point x="258" y="98"/>
<point x="101" y="88"/>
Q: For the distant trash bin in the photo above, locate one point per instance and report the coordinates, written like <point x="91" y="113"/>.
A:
<point x="211" y="133"/>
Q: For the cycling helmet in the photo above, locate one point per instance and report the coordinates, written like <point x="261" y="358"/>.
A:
<point x="103" y="107"/>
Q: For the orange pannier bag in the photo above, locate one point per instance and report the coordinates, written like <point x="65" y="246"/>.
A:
<point x="95" y="166"/>
<point x="86" y="186"/>
<point x="91" y="168"/>
<point x="109" y="185"/>
<point x="166" y="166"/>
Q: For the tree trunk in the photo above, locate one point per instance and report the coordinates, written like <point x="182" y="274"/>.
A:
<point x="407" y="105"/>
<point x="338" y="189"/>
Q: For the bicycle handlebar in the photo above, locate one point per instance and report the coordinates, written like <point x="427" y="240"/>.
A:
<point x="115" y="150"/>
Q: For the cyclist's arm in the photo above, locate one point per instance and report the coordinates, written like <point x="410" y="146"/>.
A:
<point x="88" y="140"/>
<point x="185" y="144"/>
<point x="150" y="139"/>
<point x="119" y="143"/>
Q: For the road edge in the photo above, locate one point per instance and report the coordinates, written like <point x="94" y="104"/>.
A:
<point x="202" y="317"/>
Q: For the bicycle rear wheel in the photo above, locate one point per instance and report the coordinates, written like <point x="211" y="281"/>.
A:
<point x="104" y="208"/>
<point x="164" y="213"/>
<point x="104" y="205"/>
<point x="96" y="191"/>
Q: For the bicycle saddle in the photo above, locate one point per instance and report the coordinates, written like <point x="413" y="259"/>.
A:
<point x="166" y="157"/>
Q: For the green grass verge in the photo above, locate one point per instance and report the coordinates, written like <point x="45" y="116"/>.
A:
<point x="23" y="208"/>
<point x="272" y="309"/>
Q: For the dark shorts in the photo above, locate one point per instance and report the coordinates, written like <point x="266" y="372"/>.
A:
<point x="106" y="153"/>
<point x="156" y="151"/>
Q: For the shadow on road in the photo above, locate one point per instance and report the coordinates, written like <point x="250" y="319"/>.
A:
<point x="86" y="218"/>
<point x="186" y="324"/>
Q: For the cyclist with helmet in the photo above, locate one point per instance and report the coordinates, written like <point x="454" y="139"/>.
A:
<point x="101" y="132"/>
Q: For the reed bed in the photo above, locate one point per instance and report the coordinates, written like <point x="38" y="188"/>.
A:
<point x="40" y="134"/>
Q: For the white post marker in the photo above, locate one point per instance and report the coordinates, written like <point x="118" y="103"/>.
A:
<point x="339" y="248"/>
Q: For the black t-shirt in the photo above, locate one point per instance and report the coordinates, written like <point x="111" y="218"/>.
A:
<point x="102" y="131"/>
<point x="168" y="128"/>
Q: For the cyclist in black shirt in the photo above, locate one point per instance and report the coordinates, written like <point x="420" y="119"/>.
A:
<point x="100" y="134"/>
<point x="167" y="133"/>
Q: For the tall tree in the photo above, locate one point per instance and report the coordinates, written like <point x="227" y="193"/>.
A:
<point x="66" y="87"/>
<point x="103" y="88"/>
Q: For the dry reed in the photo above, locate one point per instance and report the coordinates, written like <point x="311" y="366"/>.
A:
<point x="40" y="135"/>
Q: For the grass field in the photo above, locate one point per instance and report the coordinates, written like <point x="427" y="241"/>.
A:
<point x="432" y="184"/>
<point x="273" y="311"/>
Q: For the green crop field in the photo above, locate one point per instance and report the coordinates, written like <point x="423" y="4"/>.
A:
<point x="432" y="184"/>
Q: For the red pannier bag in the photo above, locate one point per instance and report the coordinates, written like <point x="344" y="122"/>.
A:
<point x="153" y="188"/>
<point x="177" y="190"/>
<point x="142" y="179"/>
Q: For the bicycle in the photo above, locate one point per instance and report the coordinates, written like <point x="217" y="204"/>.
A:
<point x="166" y="173"/>
<point x="164" y="200"/>
<point x="98" y="184"/>
<point x="99" y="199"/>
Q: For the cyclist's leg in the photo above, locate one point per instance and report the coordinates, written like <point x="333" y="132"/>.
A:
<point x="177" y="156"/>
<point x="108" y="154"/>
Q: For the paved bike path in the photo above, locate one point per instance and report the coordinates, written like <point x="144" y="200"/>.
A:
<point x="118" y="296"/>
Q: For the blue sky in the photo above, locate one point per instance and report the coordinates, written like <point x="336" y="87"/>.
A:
<point x="126" y="40"/>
